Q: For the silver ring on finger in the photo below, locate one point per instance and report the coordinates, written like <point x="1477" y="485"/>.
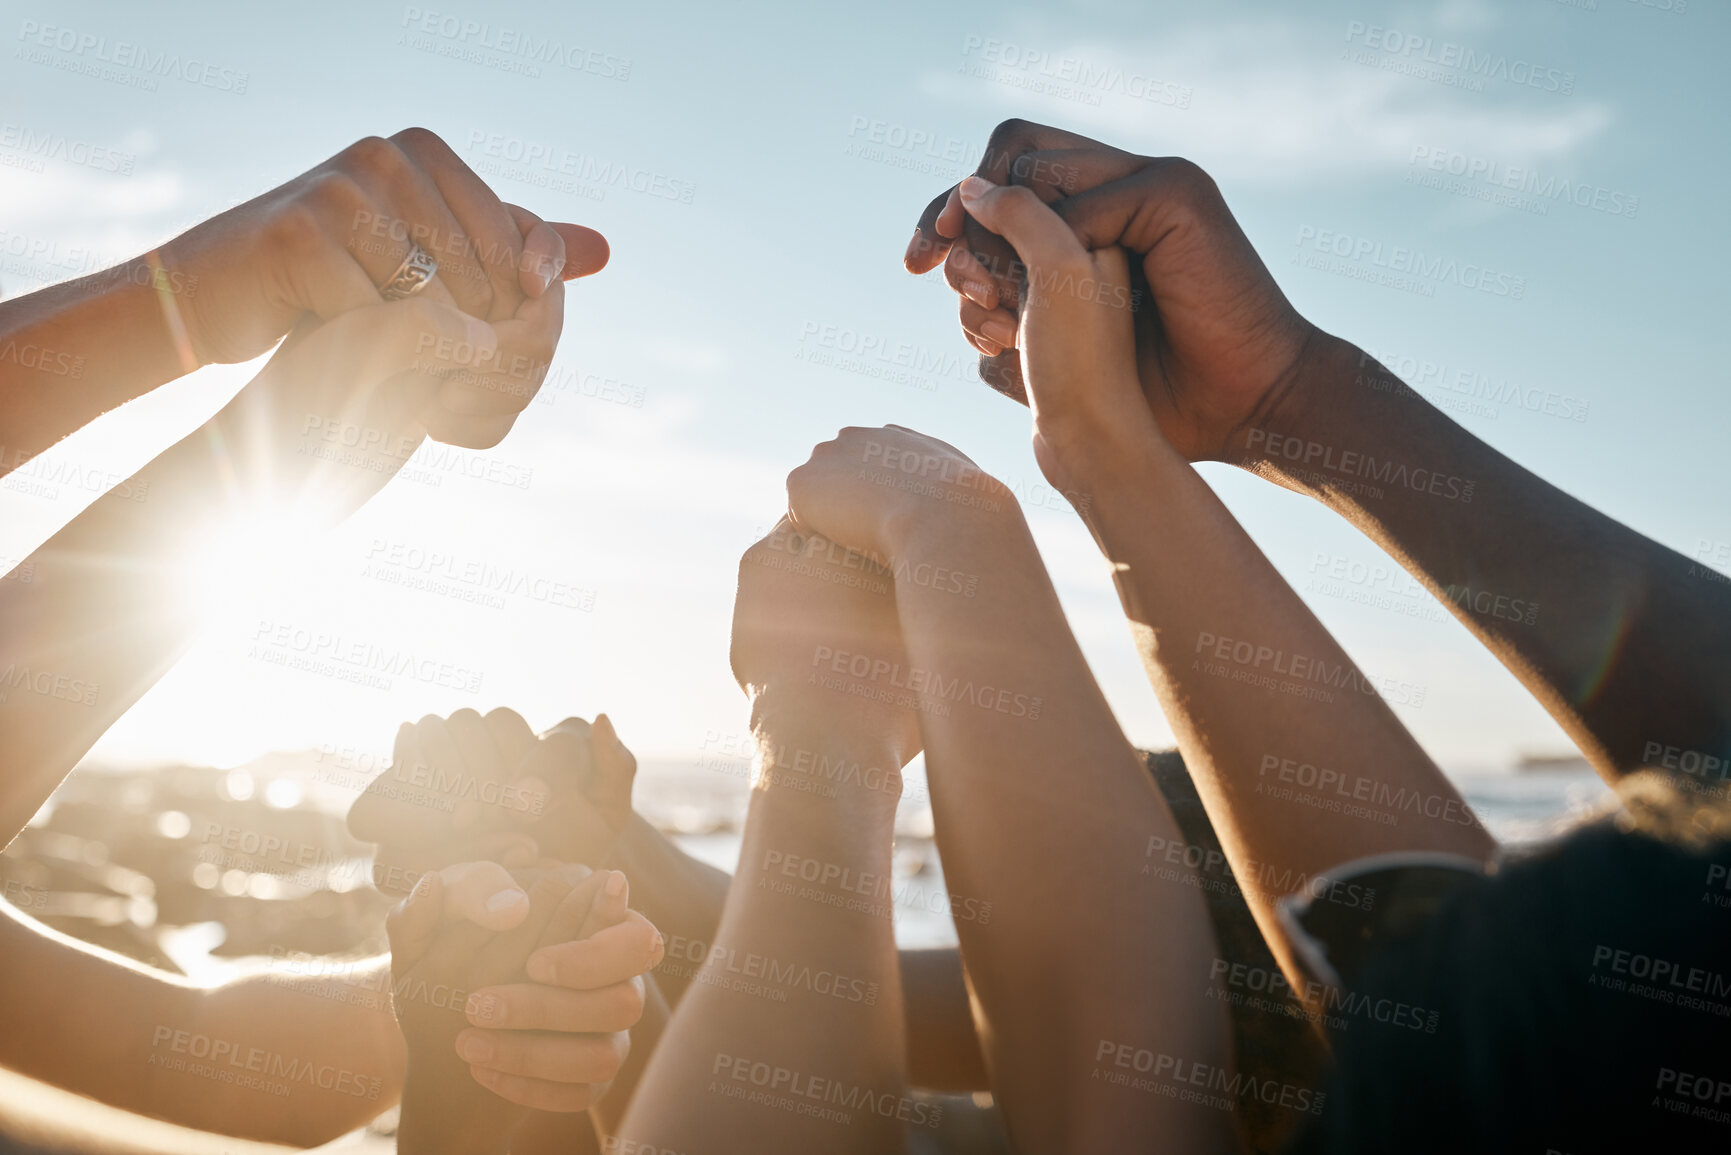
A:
<point x="411" y="276"/>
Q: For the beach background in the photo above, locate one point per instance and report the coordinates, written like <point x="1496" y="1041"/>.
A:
<point x="202" y="871"/>
<point x="1520" y="239"/>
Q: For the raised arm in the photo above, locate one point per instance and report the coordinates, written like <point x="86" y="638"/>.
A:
<point x="228" y="289"/>
<point x="1081" y="964"/>
<point x="804" y="1051"/>
<point x="114" y="596"/>
<point x="1300" y="762"/>
<point x="1616" y="635"/>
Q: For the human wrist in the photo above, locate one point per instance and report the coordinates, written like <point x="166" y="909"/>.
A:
<point x="105" y="330"/>
<point x="943" y="495"/>
<point x="1318" y="400"/>
<point x="783" y="722"/>
<point x="1094" y="459"/>
<point x="800" y="746"/>
<point x="436" y="1122"/>
<point x="932" y="525"/>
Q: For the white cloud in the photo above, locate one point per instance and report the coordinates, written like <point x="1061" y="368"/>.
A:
<point x="1265" y="105"/>
<point x="63" y="222"/>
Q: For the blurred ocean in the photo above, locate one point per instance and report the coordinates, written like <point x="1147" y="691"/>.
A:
<point x="702" y="807"/>
<point x="190" y="868"/>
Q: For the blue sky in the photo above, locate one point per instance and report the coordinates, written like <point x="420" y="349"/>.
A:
<point x="757" y="169"/>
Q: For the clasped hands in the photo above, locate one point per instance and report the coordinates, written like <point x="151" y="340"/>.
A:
<point x="361" y="381"/>
<point x="517" y="964"/>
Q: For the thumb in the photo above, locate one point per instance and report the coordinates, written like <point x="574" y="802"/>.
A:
<point x="586" y="251"/>
<point x="615" y="766"/>
<point x="1017" y="214"/>
<point x="485" y="894"/>
<point x="609" y="906"/>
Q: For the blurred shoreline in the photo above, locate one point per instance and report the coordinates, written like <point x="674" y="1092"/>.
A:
<point x="192" y="869"/>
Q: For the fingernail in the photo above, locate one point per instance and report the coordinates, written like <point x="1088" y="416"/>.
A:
<point x="976" y="187"/>
<point x="486" y="1008"/>
<point x="542" y="268"/>
<point x="979" y="294"/>
<point x="548" y="271"/>
<point x="998" y="331"/>
<point x="505" y="900"/>
<point x="616" y="885"/>
<point x="916" y="248"/>
<point x="475" y="1048"/>
<point x="541" y="969"/>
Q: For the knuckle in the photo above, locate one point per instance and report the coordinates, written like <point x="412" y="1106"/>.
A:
<point x="415" y="139"/>
<point x="1190" y="180"/>
<point x="372" y="155"/>
<point x="297" y="229"/>
<point x="564" y="974"/>
<point x="607" y="1058"/>
<point x="336" y="191"/>
<point x="649" y="948"/>
<point x="630" y="1004"/>
<point x="1010" y="131"/>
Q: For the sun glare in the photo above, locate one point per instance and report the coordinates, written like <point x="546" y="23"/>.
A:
<point x="246" y="563"/>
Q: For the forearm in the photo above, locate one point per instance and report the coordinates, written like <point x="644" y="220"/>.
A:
<point x="329" y="1039"/>
<point x="273" y="1057"/>
<point x="434" y="1122"/>
<point x="73" y="351"/>
<point x="807" y="901"/>
<point x="113" y="599"/>
<point x="683" y="898"/>
<point x="1299" y="761"/>
<point x="1019" y="739"/>
<point x="1618" y="637"/>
